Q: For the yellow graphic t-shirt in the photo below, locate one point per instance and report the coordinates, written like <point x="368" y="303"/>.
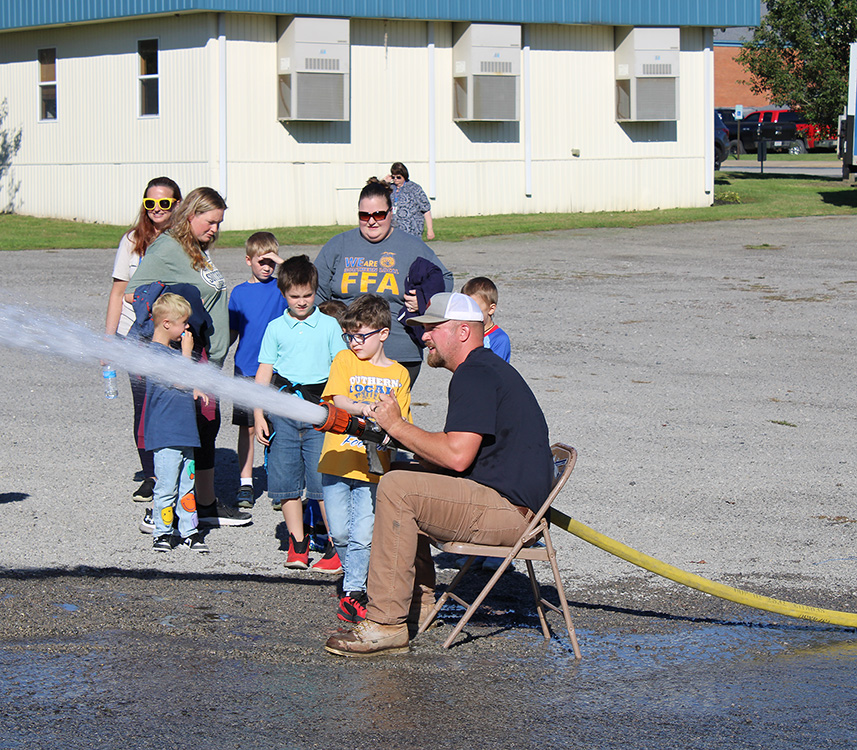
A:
<point x="345" y="455"/>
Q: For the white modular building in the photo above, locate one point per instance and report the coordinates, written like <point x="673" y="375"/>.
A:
<point x="287" y="107"/>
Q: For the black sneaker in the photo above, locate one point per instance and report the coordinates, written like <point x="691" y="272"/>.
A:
<point x="217" y="514"/>
<point x="162" y="543"/>
<point x="143" y="494"/>
<point x="195" y="544"/>
<point x="245" y="497"/>
<point x="352" y="607"/>
<point x="147" y="525"/>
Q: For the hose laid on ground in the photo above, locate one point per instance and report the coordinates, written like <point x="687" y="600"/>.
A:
<point x="845" y="619"/>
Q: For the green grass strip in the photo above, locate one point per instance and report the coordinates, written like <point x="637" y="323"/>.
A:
<point x="738" y="195"/>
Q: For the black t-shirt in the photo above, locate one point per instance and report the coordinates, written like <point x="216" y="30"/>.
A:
<point x="487" y="396"/>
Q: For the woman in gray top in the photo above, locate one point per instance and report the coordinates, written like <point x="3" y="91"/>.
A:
<point x="375" y="259"/>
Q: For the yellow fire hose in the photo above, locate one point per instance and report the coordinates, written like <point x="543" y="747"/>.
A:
<point x="845" y="619"/>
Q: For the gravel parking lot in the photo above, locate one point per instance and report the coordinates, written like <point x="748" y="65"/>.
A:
<point x="703" y="372"/>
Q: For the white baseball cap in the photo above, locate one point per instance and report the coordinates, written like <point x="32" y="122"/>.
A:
<point x="448" y="306"/>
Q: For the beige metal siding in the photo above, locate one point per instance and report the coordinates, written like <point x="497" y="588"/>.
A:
<point x="480" y="167"/>
<point x="94" y="161"/>
<point x="311" y="173"/>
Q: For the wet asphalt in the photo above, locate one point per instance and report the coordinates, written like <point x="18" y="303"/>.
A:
<point x="129" y="658"/>
<point x="703" y="373"/>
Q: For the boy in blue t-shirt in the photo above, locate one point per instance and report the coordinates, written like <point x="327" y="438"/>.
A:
<point x="169" y="429"/>
<point x="252" y="305"/>
<point x="296" y="353"/>
<point x="484" y="291"/>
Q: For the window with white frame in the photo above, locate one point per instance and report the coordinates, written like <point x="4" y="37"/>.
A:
<point x="147" y="52"/>
<point x="48" y="84"/>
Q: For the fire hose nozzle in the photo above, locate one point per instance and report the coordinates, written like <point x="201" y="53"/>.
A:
<point x="340" y="422"/>
<point x="337" y="421"/>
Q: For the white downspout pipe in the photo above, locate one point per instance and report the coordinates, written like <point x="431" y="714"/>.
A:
<point x="222" y="158"/>
<point x="708" y="110"/>
<point x="528" y="116"/>
<point x="432" y="110"/>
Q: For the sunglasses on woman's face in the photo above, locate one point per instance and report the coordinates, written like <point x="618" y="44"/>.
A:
<point x="165" y="204"/>
<point x="377" y="215"/>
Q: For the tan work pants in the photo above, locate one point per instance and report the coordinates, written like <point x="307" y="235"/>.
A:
<point x="411" y="504"/>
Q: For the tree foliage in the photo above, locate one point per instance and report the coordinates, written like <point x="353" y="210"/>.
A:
<point x="799" y="54"/>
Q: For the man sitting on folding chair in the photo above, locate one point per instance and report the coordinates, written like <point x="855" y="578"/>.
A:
<point x="486" y="475"/>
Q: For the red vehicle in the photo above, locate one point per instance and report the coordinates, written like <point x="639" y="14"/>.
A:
<point x="808" y="135"/>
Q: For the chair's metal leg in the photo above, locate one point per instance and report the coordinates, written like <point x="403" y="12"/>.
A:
<point x="431" y="615"/>
<point x="561" y="592"/>
<point x="445" y="595"/>
<point x="538" y="597"/>
<point x="479" y="599"/>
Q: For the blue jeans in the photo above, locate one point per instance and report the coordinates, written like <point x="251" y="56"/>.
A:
<point x="350" y="507"/>
<point x="293" y="460"/>
<point x="174" y="469"/>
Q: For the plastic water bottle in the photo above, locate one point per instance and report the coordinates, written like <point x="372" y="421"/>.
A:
<point x="111" y="390"/>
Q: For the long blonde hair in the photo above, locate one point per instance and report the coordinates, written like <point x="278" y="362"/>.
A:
<point x="198" y="201"/>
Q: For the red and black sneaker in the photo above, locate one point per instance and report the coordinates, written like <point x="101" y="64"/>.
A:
<point x="298" y="557"/>
<point x="352" y="607"/>
<point x="330" y="562"/>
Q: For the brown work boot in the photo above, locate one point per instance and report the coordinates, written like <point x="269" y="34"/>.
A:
<point x="370" y="638"/>
<point x="417" y="614"/>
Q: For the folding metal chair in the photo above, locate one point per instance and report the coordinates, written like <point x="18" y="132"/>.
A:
<point x="538" y="529"/>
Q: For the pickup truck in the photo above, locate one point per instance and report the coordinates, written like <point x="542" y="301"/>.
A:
<point x="783" y="129"/>
<point x="808" y="135"/>
<point x="753" y="128"/>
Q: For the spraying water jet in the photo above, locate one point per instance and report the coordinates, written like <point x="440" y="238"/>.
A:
<point x="22" y="329"/>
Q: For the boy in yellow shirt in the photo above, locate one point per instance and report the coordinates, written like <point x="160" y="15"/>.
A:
<point x="358" y="377"/>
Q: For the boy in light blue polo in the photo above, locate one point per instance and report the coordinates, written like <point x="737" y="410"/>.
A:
<point x="296" y="353"/>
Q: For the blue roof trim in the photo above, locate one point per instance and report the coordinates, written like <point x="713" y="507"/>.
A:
<point x="17" y="14"/>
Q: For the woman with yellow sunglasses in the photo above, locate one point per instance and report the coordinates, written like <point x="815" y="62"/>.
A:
<point x="160" y="197"/>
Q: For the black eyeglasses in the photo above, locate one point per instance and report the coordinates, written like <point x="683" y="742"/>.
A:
<point x="377" y="215"/>
<point x="165" y="204"/>
<point x="360" y="338"/>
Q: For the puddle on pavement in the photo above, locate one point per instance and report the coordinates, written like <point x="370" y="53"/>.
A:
<point x="700" y="686"/>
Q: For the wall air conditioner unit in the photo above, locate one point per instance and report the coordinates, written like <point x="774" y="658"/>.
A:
<point x="486" y="72"/>
<point x="313" y="65"/>
<point x="647" y="74"/>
